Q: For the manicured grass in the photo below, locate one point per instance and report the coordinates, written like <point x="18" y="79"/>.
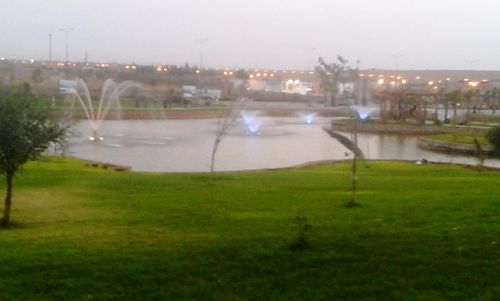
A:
<point x="459" y="138"/>
<point x="428" y="232"/>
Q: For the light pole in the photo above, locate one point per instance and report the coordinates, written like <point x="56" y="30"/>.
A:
<point x="50" y="47"/>
<point x="396" y="58"/>
<point x="309" y="51"/>
<point x="471" y="63"/>
<point x="201" y="42"/>
<point x="66" y="31"/>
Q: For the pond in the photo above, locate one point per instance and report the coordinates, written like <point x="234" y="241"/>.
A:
<point x="186" y="145"/>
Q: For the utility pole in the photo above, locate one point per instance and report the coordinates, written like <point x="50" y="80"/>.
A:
<point x="66" y="31"/>
<point x="50" y="47"/>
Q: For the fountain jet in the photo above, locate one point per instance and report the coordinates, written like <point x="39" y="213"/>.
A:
<point x="110" y="96"/>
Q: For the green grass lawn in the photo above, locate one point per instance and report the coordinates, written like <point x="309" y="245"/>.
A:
<point x="429" y="232"/>
<point x="459" y="138"/>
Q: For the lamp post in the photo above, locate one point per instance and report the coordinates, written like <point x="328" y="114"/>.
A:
<point x="66" y="31"/>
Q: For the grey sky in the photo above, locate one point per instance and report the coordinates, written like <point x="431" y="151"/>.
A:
<point x="430" y="34"/>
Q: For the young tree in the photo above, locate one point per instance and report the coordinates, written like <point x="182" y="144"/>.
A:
<point x="26" y="129"/>
<point x="352" y="145"/>
<point x="223" y="125"/>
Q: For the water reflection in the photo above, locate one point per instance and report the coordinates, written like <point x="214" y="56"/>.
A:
<point x="185" y="145"/>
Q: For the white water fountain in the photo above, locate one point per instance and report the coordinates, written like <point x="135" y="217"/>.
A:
<point x="110" y="97"/>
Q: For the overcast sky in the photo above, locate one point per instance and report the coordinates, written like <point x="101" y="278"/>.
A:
<point x="409" y="34"/>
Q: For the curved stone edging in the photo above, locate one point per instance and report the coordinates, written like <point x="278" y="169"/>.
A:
<point x="105" y="165"/>
<point x="387" y="129"/>
<point x="447" y="147"/>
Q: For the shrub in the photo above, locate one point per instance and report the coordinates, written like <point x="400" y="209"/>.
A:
<point x="301" y="241"/>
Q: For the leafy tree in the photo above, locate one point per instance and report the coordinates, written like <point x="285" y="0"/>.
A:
<point x="455" y="96"/>
<point x="331" y="75"/>
<point x="493" y="137"/>
<point x="26" y="130"/>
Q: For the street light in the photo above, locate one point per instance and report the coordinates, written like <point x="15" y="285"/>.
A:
<point x="66" y="33"/>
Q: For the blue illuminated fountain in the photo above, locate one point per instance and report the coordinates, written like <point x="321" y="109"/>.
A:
<point x="307" y="118"/>
<point x="364" y="112"/>
<point x="251" y="123"/>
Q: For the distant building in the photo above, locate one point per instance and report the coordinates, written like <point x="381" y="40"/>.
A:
<point x="281" y="86"/>
<point x="67" y="86"/>
<point x="192" y="92"/>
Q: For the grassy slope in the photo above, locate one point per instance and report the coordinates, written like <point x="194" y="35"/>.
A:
<point x="423" y="233"/>
<point x="462" y="138"/>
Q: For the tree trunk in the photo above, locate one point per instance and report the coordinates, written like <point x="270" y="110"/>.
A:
<point x="6" y="213"/>
<point x="446" y="111"/>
